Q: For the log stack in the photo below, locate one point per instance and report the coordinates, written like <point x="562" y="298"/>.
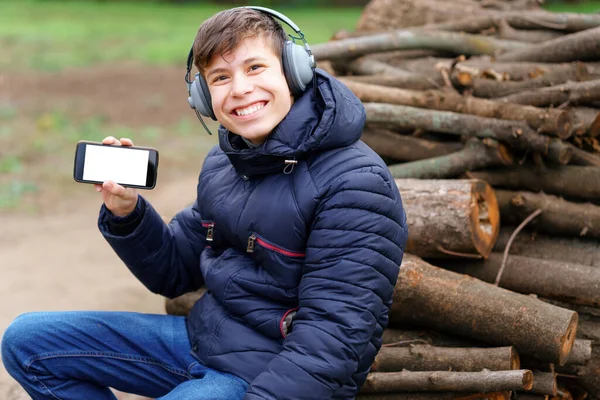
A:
<point x="490" y="125"/>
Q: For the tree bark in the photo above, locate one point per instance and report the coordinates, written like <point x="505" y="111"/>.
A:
<point x="552" y="121"/>
<point x="573" y="283"/>
<point x="570" y="250"/>
<point x="586" y="121"/>
<point x="567" y="22"/>
<point x="581" y="352"/>
<point x="514" y="133"/>
<point x="485" y="66"/>
<point x="587" y="375"/>
<point x="558" y="216"/>
<point x="493" y="88"/>
<point x="414" y="82"/>
<point x="425" y="381"/>
<point x="582" y="157"/>
<point x="566" y="180"/>
<point x="544" y="383"/>
<point x="432" y="358"/>
<point x="475" y="155"/>
<point x="406" y="148"/>
<point x="571" y="92"/>
<point x="456" y="303"/>
<point x="453" y="42"/>
<point x="449" y="217"/>
<point x="505" y="31"/>
<point x="580" y="46"/>
<point x="589" y="329"/>
<point x="390" y="14"/>
<point x="370" y="66"/>
<point x="581" y="310"/>
<point x="436" y="396"/>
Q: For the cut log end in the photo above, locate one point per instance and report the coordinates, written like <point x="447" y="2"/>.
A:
<point x="527" y="380"/>
<point x="515" y="360"/>
<point x="505" y="155"/>
<point x="564" y="125"/>
<point x="485" y="218"/>
<point x="568" y="339"/>
<point x="595" y="127"/>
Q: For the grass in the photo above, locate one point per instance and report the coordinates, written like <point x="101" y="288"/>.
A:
<point x="52" y="35"/>
<point x="581" y="7"/>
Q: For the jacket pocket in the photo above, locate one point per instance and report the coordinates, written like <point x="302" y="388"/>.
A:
<point x="255" y="239"/>
<point x="284" y="265"/>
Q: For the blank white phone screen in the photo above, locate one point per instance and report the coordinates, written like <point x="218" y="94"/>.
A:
<point x="126" y="166"/>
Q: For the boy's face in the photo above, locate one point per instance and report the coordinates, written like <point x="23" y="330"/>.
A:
<point x="250" y="95"/>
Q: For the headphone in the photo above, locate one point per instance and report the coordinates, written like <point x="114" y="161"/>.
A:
<point x="298" y="69"/>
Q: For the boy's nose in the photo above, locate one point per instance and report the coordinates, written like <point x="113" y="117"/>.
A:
<point x="241" y="86"/>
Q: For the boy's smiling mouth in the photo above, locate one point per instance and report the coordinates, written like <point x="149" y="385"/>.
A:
<point x="249" y="110"/>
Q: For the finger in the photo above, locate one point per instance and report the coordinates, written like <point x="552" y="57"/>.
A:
<point x="114" y="188"/>
<point x="109" y="140"/>
<point x="98" y="187"/>
<point x="126" y="142"/>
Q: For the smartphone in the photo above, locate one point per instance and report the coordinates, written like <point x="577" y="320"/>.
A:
<point x="130" y="166"/>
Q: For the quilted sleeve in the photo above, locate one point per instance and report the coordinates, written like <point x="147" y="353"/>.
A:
<point x="353" y="255"/>
<point x="165" y="258"/>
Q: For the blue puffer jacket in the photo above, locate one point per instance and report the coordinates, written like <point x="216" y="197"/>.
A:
<point x="322" y="242"/>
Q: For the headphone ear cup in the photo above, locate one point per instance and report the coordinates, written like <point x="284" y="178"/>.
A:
<point x="297" y="67"/>
<point x="200" y="98"/>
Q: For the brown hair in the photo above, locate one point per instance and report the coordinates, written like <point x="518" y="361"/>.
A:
<point x="224" y="31"/>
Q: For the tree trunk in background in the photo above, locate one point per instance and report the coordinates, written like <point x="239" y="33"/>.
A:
<point x="573" y="283"/>
<point x="424" y="381"/>
<point x="449" y="217"/>
<point x="404" y="147"/>
<point x="555" y="122"/>
<point x="584" y="251"/>
<point x="559" y="217"/>
<point x="580" y="46"/>
<point x="475" y="155"/>
<point x="432" y="358"/>
<point x="436" y="396"/>
<point x="581" y="182"/>
<point x="439" y="299"/>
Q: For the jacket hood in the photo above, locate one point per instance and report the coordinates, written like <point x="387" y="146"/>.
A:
<point x="335" y="118"/>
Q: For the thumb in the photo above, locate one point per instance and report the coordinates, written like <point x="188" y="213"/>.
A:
<point x="114" y="188"/>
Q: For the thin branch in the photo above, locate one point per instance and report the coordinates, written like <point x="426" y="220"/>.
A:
<point x="510" y="240"/>
<point x="454" y="253"/>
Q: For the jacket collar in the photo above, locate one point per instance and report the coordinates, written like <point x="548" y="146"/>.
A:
<point x="330" y="118"/>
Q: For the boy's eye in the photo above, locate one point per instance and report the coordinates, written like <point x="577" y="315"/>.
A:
<point x="255" y="67"/>
<point x="219" y="78"/>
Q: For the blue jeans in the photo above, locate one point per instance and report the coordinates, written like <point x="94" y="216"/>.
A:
<point x="80" y="354"/>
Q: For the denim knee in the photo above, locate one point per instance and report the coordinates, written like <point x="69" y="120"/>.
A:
<point x="19" y="335"/>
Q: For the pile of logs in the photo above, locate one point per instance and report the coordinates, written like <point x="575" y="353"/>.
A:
<point x="487" y="113"/>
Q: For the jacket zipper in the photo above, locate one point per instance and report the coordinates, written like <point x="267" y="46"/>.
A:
<point x="255" y="239"/>
<point x="210" y="233"/>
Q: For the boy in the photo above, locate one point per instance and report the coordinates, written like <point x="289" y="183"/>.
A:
<point x="297" y="234"/>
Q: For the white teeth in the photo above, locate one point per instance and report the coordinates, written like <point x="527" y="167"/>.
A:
<point x="249" y="110"/>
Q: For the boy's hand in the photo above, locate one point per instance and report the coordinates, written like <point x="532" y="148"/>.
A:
<point x="120" y="200"/>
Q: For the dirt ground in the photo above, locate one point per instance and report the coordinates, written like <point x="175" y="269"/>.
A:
<point x="56" y="259"/>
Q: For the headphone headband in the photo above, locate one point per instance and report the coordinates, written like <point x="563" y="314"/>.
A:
<point x="268" y="11"/>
